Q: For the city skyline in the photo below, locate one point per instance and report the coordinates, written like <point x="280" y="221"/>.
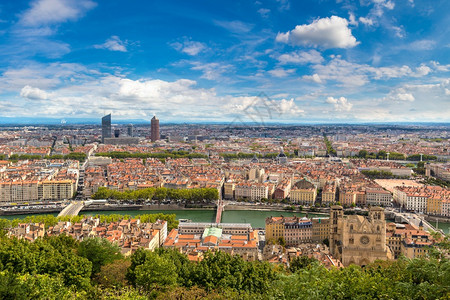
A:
<point x="261" y="61"/>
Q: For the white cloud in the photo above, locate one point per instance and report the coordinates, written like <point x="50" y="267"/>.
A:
<point x="353" y="74"/>
<point x="314" y="78"/>
<point x="46" y="12"/>
<point x="127" y="98"/>
<point x="399" y="95"/>
<point x="301" y="57"/>
<point x="325" y="33"/>
<point x="288" y="106"/>
<point x="280" y="72"/>
<point x="340" y="104"/>
<point x="189" y="47"/>
<point x="375" y="17"/>
<point x="439" y="67"/>
<point x="366" y="21"/>
<point x="71" y="90"/>
<point x="399" y="32"/>
<point x="33" y="93"/>
<point x="422" y="70"/>
<point x="422" y="45"/>
<point x="428" y="94"/>
<point x="114" y="44"/>
<point x="352" y="19"/>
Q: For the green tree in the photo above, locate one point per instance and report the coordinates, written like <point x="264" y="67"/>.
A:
<point x="156" y="272"/>
<point x="113" y="274"/>
<point x="301" y="262"/>
<point x="362" y="153"/>
<point x="99" y="252"/>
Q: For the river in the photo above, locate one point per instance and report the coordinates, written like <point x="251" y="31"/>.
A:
<point x="255" y="217"/>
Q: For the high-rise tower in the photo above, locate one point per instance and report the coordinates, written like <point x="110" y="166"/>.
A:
<point x="130" y="130"/>
<point x="106" y="127"/>
<point x="154" y="131"/>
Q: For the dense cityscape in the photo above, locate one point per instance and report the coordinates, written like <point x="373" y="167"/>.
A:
<point x="337" y="195"/>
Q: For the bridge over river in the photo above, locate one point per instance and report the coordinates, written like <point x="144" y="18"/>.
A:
<point x="411" y="218"/>
<point x="74" y="208"/>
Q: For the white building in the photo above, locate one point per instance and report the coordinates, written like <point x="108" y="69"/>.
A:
<point x="378" y="197"/>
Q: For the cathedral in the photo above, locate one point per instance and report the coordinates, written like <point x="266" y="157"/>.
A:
<point x="358" y="239"/>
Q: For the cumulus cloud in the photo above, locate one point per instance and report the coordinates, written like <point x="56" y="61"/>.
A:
<point x="340" y="104"/>
<point x="280" y="72"/>
<point x="301" y="57"/>
<point x="46" y="12"/>
<point x="33" y="93"/>
<point x="71" y="90"/>
<point x="288" y="107"/>
<point x="399" y="95"/>
<point x="429" y="95"/>
<point x="189" y="47"/>
<point x="353" y="74"/>
<point x="325" y="33"/>
<point x="114" y="44"/>
<point x="422" y="70"/>
<point x="314" y="78"/>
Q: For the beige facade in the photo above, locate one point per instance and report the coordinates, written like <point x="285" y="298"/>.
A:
<point x="320" y="229"/>
<point x="356" y="239"/>
<point x="329" y="194"/>
<point x="27" y="191"/>
<point x="303" y="192"/>
<point x="378" y="197"/>
<point x="293" y="230"/>
<point x="304" y="196"/>
<point x="251" y="191"/>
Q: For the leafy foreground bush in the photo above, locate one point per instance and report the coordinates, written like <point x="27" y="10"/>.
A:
<point x="63" y="268"/>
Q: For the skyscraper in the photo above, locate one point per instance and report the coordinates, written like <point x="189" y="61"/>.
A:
<point x="154" y="131"/>
<point x="130" y="130"/>
<point x="106" y="127"/>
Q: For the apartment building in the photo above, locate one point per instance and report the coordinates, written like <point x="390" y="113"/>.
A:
<point x="27" y="191"/>
<point x="293" y="230"/>
<point x="283" y="189"/>
<point x="252" y="191"/>
<point x="434" y="206"/>
<point x="378" y="197"/>
<point x="415" y="198"/>
<point x="445" y="208"/>
<point x="303" y="192"/>
<point x="329" y="194"/>
<point x="320" y="229"/>
<point x="408" y="240"/>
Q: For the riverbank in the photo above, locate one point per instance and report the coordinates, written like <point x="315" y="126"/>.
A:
<point x="437" y="219"/>
<point x="178" y="207"/>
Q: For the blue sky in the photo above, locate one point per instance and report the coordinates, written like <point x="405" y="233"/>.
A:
<point x="200" y="61"/>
